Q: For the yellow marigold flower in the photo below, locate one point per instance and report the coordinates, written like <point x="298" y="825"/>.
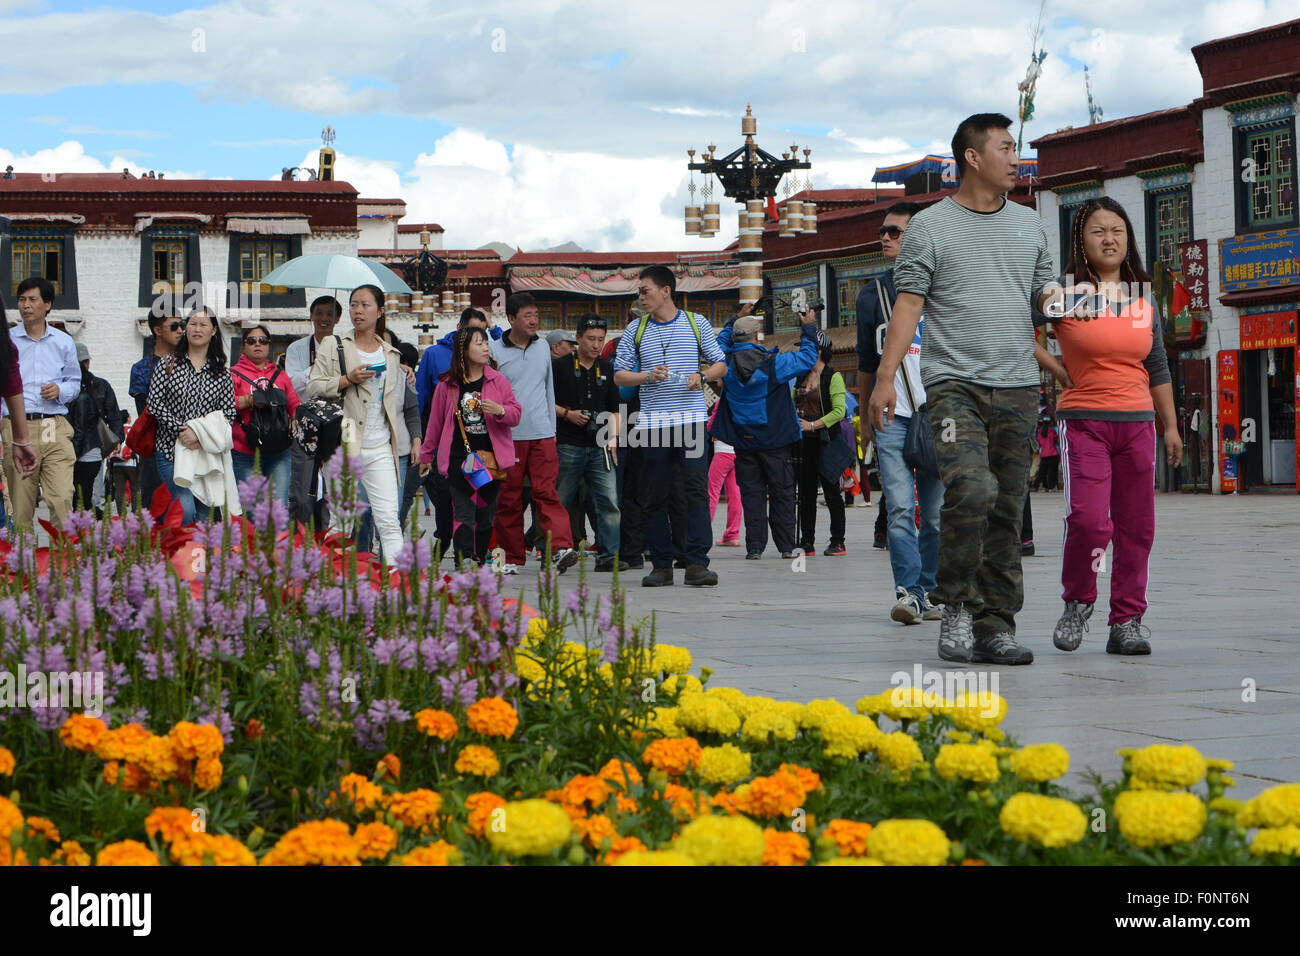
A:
<point x="127" y="853"/>
<point x="1276" y="807"/>
<point x="959" y="736"/>
<point x="478" y="761"/>
<point x="207" y="774"/>
<point x="619" y="773"/>
<point x="391" y="765"/>
<point x="221" y="850"/>
<point x="71" y="854"/>
<point x="1045" y="821"/>
<point x="83" y="733"/>
<point x="682" y="685"/>
<point x="170" y="824"/>
<point x="196" y="741"/>
<point x="417" y="809"/>
<point x="847" y="735"/>
<point x="530" y="671"/>
<point x="673" y="757"/>
<point x="1163" y="765"/>
<point x="436" y="723"/>
<point x="763" y="725"/>
<point x="670" y="659"/>
<point x="593" y="830"/>
<point x="44" y="827"/>
<point x="908" y="843"/>
<point x="318" y="843"/>
<point x="776" y="796"/>
<point x="899" y="751"/>
<point x="531" y="828"/>
<point x="722" y="841"/>
<point x="664" y="720"/>
<point x="686" y="803"/>
<point x="653" y="858"/>
<point x="375" y="840"/>
<point x="727" y="764"/>
<point x="492" y="717"/>
<point x="785" y="848"/>
<point x="968" y="762"/>
<point x="123" y="743"/>
<point x="700" y="713"/>
<point x="1284" y="841"/>
<point x="903" y="703"/>
<point x="536" y="632"/>
<point x="1227" y="806"/>
<point x="158" y="759"/>
<point x="816" y="712"/>
<point x="1150" y="818"/>
<point x="1038" y="763"/>
<point x="481" y="807"/>
<point x="363" y="794"/>
<point x="977" y="711"/>
<point x="7" y="763"/>
<point x="849" y="836"/>
<point x="441" y="853"/>
<point x="620" y="847"/>
<point x="810" y="780"/>
<point x="1214" y="763"/>
<point x="850" y="861"/>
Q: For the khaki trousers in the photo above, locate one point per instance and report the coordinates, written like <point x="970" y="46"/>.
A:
<point x="51" y="439"/>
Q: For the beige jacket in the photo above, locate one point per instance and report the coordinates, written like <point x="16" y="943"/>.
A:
<point x="324" y="383"/>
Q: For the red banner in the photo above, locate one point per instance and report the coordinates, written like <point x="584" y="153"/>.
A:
<point x="1196" y="270"/>
<point x="1229" y="416"/>
<point x="1268" y="330"/>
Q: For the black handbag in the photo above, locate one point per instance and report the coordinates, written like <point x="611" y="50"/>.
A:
<point x="318" y="423"/>
<point x="918" y="446"/>
<point x="108" y="439"/>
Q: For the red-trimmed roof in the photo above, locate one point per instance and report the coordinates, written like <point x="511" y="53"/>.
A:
<point x="440" y="253"/>
<point x="381" y="202"/>
<point x="114" y="183"/>
<point x="605" y="258"/>
<point x="1098" y="129"/>
<point x="420" y="227"/>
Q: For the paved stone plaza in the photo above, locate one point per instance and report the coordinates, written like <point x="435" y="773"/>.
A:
<point x="1224" y="611"/>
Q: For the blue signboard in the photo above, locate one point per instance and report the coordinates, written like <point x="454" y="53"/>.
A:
<point x="1260" y="261"/>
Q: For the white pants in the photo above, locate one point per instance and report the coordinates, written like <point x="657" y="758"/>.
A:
<point x="380" y="481"/>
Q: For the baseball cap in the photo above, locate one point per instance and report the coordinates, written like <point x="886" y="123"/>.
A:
<point x="556" y="336"/>
<point x="83" y="353"/>
<point x="746" y="328"/>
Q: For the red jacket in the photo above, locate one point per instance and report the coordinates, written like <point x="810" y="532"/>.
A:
<point x="261" y="376"/>
<point x="443" y="430"/>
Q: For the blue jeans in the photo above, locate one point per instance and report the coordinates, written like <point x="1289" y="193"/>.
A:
<point x="166" y="469"/>
<point x="275" y="467"/>
<point x="577" y="463"/>
<point x="915" y="558"/>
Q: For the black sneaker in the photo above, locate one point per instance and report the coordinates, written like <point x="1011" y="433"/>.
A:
<point x="835" y="549"/>
<point x="880" y="542"/>
<point x="1127" y="638"/>
<point x="754" y="556"/>
<point x="634" y="564"/>
<point x="607" y="567"/>
<point x="1027" y="549"/>
<point x="564" y="559"/>
<point x="808" y="548"/>
<point x="658" y="578"/>
<point x="698" y="576"/>
<point x="1000" y="648"/>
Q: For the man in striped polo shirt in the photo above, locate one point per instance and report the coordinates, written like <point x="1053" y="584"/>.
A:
<point x="670" y="429"/>
<point x="977" y="264"/>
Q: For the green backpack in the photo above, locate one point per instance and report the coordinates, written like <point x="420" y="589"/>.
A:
<point x="628" y="392"/>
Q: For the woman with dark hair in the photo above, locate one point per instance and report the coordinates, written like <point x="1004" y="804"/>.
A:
<point x="188" y="385"/>
<point x="819" y="398"/>
<point x="12" y="381"/>
<point x="255" y="377"/>
<point x="372" y="385"/>
<point x="473" y="410"/>
<point x="1109" y="330"/>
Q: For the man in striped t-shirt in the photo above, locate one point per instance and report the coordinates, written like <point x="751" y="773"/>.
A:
<point x="670" y="429"/>
<point x="977" y="263"/>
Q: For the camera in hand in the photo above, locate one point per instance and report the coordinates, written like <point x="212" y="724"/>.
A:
<point x="814" y="305"/>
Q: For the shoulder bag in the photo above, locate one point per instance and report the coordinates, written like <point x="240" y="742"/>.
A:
<point x="918" y="446"/>
<point x="476" y="460"/>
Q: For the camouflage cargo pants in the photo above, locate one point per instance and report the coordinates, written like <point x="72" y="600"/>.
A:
<point x="981" y="438"/>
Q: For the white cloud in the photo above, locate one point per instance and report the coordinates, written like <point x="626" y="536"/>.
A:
<point x="373" y="178"/>
<point x="71" y="157"/>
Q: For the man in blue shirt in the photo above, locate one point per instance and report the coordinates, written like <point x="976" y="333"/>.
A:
<point x="167" y="331"/>
<point x="51" y="374"/>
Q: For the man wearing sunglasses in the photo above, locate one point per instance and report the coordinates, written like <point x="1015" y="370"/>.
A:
<point x="166" y="331"/>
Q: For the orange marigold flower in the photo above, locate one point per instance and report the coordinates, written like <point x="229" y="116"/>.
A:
<point x="585" y="790"/>
<point x="158" y="759"/>
<point x="196" y="741"/>
<point x="207" y="774"/>
<point x="390" y="764"/>
<point x="776" y="796"/>
<point x="810" y="780"/>
<point x="619" y="774"/>
<point x="363" y="794"/>
<point x="419" y="808"/>
<point x="481" y="806"/>
<point x="10" y="818"/>
<point x="479" y="761"/>
<point x="620" y="845"/>
<point x="969" y="862"/>
<point x="127" y="853"/>
<point x="594" y="830"/>
<point x="44" y="827"/>
<point x="135" y="780"/>
<point x="849" y="835"/>
<point x="441" y="853"/>
<point x="254" y="730"/>
<point x="375" y="840"/>
<point x="82" y="733"/>
<point x="220" y="849"/>
<point x="625" y="804"/>
<point x="170" y="824"/>
<point x="724" y="799"/>
<point x="112" y="770"/>
<point x="123" y="743"/>
<point x="7" y="763"/>
<point x="673" y="756"/>
<point x="785" y="848"/>
<point x="436" y="723"/>
<point x="71" y="854"/>
<point x="492" y="717"/>
<point x="318" y="843"/>
<point x="686" y="803"/>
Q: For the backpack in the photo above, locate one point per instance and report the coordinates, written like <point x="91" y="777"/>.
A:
<point x="267" y="429"/>
<point x="629" y="392"/>
<point x="318" y="423"/>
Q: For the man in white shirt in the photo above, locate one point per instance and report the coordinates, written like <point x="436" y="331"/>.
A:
<point x="298" y="360"/>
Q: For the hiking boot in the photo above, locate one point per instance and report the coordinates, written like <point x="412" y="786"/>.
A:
<point x="564" y="559"/>
<point x="1000" y="647"/>
<point x="658" y="578"/>
<point x="1027" y="549"/>
<point x="835" y="549"/>
<point x="907" y="610"/>
<point x="1069" y="629"/>
<point x="931" y="612"/>
<point x="880" y="542"/>
<point x="1128" y="638"/>
<point x="698" y="576"/>
<point x="956" y="634"/>
<point x="754" y="556"/>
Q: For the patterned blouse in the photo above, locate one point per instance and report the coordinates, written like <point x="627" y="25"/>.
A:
<point x="179" y="393"/>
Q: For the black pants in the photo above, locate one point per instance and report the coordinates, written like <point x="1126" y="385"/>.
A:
<point x="442" y="516"/>
<point x="149" y="480"/>
<point x="473" y="511"/>
<point x="809" y="479"/>
<point x="882" y="524"/>
<point x="1049" y="470"/>
<point x="304" y="506"/>
<point x="632" y="508"/>
<point x="766" y="480"/>
<point x="1027" y="523"/>
<point x="120" y="474"/>
<point x="83" y="485"/>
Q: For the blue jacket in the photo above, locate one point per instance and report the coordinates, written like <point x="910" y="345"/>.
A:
<point x="433" y="363"/>
<point x="756" y="411"/>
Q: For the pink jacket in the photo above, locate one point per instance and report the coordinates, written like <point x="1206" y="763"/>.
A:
<point x="244" y="416"/>
<point x="443" y="430"/>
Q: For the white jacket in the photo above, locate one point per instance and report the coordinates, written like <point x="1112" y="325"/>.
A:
<point x="208" y="471"/>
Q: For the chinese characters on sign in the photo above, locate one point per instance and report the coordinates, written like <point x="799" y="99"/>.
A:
<point x="1263" y="260"/>
<point x="1268" y="330"/>
<point x="1195" y="259"/>
<point x="1229" y="418"/>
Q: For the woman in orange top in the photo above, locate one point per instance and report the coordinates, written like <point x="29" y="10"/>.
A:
<point x="1118" y="375"/>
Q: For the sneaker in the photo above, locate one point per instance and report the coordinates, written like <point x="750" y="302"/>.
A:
<point x="956" y="634"/>
<point x="788" y="555"/>
<point x="1027" y="549"/>
<point x="880" y="542"/>
<point x="754" y="556"/>
<point x="1000" y="647"/>
<point x="635" y="564"/>
<point x="698" y="576"/>
<point x="1128" y="638"/>
<point x="835" y="550"/>
<point x="607" y="567"/>
<point x="808" y="549"/>
<point x="862" y="504"/>
<point x="658" y="578"/>
<point x="730" y="542"/>
<point x="511" y="568"/>
<point x="1069" y="629"/>
<point x="564" y="559"/>
<point x="907" y="610"/>
<point x="931" y="612"/>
